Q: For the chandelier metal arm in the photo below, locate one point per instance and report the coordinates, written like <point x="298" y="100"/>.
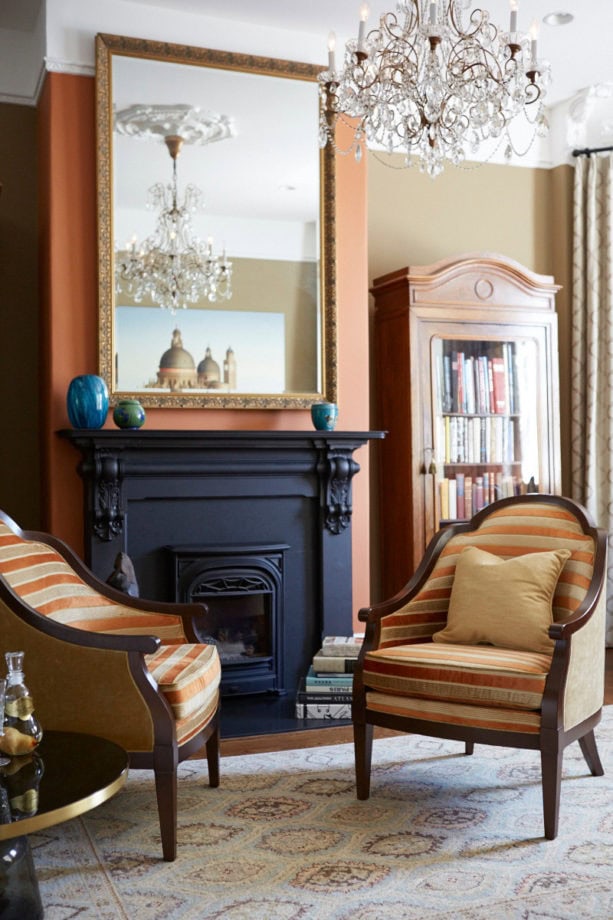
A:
<point x="427" y="83"/>
<point x="171" y="266"/>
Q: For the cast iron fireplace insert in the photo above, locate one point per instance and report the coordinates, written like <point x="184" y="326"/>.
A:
<point x="243" y="588"/>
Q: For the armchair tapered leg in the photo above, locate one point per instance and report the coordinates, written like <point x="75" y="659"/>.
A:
<point x="590" y="753"/>
<point x="362" y="741"/>
<point x="212" y="757"/>
<point x="469" y="747"/>
<point x="166" y="793"/>
<point x="551" y="767"/>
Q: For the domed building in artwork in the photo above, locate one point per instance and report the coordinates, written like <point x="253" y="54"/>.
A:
<point x="209" y="372"/>
<point x="177" y="370"/>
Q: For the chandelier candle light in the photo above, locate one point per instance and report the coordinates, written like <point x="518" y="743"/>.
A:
<point x="435" y="84"/>
<point x="172" y="266"/>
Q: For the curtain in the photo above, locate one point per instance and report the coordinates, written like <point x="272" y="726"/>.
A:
<point x="592" y="348"/>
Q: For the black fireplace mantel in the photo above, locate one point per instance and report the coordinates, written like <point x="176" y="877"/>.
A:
<point x="146" y="489"/>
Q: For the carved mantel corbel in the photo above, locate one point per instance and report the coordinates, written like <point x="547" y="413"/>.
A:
<point x="107" y="515"/>
<point x="336" y="470"/>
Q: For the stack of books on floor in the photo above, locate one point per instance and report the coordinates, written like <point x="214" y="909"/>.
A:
<point x="326" y="691"/>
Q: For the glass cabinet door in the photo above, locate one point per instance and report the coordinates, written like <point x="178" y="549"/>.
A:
<point x="486" y="422"/>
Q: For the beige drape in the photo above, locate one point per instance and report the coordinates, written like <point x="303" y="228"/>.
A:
<point x="592" y="348"/>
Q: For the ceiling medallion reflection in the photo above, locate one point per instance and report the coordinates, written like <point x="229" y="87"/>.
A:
<point x="172" y="266"/>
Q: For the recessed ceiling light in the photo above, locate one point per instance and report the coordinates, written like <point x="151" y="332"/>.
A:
<point x="558" y="18"/>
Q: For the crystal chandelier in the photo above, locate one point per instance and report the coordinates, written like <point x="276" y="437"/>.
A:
<point x="435" y="84"/>
<point x="172" y="266"/>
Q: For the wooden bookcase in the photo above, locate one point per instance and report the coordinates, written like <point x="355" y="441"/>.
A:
<point x="466" y="384"/>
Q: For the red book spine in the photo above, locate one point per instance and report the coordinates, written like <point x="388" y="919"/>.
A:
<point x="498" y="374"/>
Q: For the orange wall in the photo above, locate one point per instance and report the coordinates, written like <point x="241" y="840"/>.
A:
<point x="67" y="147"/>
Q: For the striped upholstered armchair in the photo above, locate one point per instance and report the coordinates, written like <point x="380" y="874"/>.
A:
<point x="497" y="639"/>
<point x="106" y="664"/>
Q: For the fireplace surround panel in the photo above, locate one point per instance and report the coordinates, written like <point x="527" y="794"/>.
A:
<point x="145" y="491"/>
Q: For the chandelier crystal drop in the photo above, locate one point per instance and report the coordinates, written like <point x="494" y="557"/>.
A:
<point x="173" y="267"/>
<point x="436" y="84"/>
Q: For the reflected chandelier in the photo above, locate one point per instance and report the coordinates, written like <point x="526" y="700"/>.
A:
<point x="172" y="266"/>
<point x="434" y="84"/>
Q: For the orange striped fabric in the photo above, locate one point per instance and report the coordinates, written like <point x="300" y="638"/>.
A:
<point x="188" y="676"/>
<point x="455" y="713"/>
<point x="189" y="727"/>
<point x="480" y="675"/>
<point x="507" y="532"/>
<point x="45" y="581"/>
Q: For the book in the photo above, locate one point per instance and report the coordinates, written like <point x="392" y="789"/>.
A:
<point x="483" y="401"/>
<point x="327" y="682"/>
<point x="478" y="493"/>
<point x="454" y="382"/>
<point x="469" y="385"/>
<point x="447" y="389"/>
<point x="305" y="695"/>
<point x="499" y="385"/>
<point x="468" y="497"/>
<point x="459" y="479"/>
<point x="331" y="664"/>
<point x="507" y="351"/>
<point x="323" y="710"/>
<point x="490" y="383"/>
<point x="341" y="646"/>
<point x="444" y="495"/>
<point x="461" y="392"/>
<point x="452" y="499"/>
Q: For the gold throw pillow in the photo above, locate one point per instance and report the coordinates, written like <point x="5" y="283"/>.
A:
<point x="506" y="603"/>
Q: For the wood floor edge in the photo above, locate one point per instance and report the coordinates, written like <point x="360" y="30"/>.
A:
<point x="288" y="741"/>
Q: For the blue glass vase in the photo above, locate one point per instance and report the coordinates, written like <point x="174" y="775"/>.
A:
<point x="87" y="401"/>
<point x="324" y="415"/>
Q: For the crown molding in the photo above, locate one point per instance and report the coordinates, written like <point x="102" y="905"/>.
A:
<point x="58" y="65"/>
<point x="49" y="65"/>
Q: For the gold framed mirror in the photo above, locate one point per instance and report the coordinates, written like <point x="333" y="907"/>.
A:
<point x="230" y="305"/>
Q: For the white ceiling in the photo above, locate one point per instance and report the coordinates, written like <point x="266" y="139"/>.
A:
<point x="579" y="53"/>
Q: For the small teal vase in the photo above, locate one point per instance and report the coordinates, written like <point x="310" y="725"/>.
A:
<point x="324" y="415"/>
<point x="129" y="413"/>
<point x="87" y="401"/>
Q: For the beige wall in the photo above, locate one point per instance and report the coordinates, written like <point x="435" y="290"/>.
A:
<point x="19" y="316"/>
<point x="415" y="220"/>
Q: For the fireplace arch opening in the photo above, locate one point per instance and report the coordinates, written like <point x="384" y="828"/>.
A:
<point x="244" y="590"/>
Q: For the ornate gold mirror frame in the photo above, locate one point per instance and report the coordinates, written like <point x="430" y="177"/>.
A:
<point x="283" y="309"/>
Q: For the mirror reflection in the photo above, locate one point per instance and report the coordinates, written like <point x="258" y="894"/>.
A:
<point x="216" y="245"/>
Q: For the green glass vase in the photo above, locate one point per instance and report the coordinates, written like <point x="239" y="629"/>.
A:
<point x="128" y="413"/>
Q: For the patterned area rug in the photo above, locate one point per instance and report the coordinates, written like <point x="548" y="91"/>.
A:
<point x="284" y="838"/>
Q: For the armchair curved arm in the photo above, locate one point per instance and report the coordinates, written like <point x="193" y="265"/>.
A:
<point x="564" y="629"/>
<point x="373" y="615"/>
<point x="146" y="644"/>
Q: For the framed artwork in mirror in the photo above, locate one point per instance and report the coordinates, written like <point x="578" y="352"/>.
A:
<point x="216" y="239"/>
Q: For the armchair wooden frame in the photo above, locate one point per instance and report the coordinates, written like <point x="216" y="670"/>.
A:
<point x="58" y="689"/>
<point x="552" y="738"/>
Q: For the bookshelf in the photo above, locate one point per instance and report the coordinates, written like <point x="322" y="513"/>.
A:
<point x="466" y="385"/>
